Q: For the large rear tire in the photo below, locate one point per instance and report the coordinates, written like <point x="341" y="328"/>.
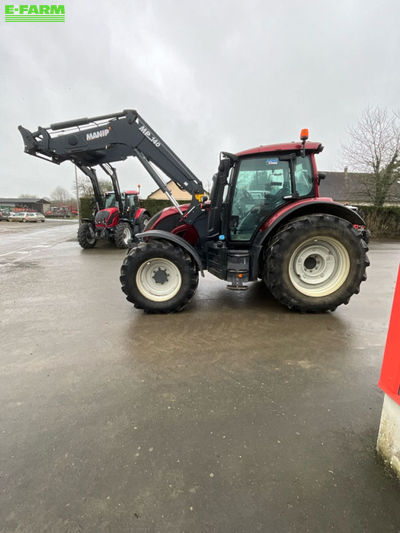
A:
<point x="316" y="263"/>
<point x="86" y="235"/>
<point x="143" y="221"/>
<point x="158" y="277"/>
<point x="123" y="235"/>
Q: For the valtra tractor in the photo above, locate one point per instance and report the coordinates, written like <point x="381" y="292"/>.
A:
<point x="117" y="219"/>
<point x="264" y="218"/>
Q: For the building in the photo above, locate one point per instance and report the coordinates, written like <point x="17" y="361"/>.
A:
<point x="41" y="205"/>
<point x="177" y="193"/>
<point x="349" y="187"/>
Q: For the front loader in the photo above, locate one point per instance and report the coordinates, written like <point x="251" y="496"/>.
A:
<point x="264" y="219"/>
<point x="117" y="216"/>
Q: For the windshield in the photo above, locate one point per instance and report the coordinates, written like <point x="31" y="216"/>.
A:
<point x="262" y="185"/>
<point x="110" y="200"/>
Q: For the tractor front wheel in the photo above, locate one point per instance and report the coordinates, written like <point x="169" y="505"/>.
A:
<point x="316" y="263"/>
<point x="158" y="277"/>
<point x="87" y="235"/>
<point x="123" y="235"/>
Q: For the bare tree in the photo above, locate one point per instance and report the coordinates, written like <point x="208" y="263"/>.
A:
<point x="373" y="150"/>
<point x="60" y="195"/>
<point x="85" y="189"/>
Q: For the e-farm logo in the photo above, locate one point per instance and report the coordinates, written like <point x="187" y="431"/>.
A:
<point x="35" y="13"/>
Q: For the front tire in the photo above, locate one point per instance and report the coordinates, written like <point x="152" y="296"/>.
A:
<point x="315" y="263"/>
<point x="123" y="235"/>
<point x="86" y="235"/>
<point x="158" y="277"/>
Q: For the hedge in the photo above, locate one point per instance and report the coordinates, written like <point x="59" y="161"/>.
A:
<point x="86" y="208"/>
<point x="383" y="222"/>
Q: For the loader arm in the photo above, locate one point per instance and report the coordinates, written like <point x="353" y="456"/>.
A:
<point x="105" y="139"/>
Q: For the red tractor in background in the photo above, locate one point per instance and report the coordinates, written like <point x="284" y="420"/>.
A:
<point x="62" y="211"/>
<point x="118" y="221"/>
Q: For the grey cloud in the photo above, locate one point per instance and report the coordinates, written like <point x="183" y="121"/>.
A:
<point x="207" y="76"/>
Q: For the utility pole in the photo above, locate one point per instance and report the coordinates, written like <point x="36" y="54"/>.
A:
<point x="77" y="194"/>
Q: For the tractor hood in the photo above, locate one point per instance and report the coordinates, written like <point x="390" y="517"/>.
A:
<point x="104" y="217"/>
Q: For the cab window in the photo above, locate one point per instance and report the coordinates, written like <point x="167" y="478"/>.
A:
<point x="263" y="185"/>
<point x="303" y="176"/>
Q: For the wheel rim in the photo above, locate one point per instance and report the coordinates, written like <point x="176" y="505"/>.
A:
<point x="126" y="235"/>
<point x="158" y="279"/>
<point x="319" y="266"/>
<point x="145" y="222"/>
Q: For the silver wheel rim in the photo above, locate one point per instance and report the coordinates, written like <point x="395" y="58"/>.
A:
<point x="145" y="222"/>
<point x="158" y="279"/>
<point x="126" y="235"/>
<point x="319" y="266"/>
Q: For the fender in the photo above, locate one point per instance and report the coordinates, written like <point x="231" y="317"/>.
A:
<point x="140" y="211"/>
<point x="187" y="232"/>
<point x="167" y="236"/>
<point x="283" y="216"/>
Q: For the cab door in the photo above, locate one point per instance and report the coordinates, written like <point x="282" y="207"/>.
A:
<point x="263" y="184"/>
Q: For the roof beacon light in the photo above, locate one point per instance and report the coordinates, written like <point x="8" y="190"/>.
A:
<point x="303" y="137"/>
<point x="304" y="134"/>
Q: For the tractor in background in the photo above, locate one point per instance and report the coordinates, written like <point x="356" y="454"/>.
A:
<point x="118" y="220"/>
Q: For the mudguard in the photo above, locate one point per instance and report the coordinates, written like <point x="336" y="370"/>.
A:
<point x="289" y="212"/>
<point x="141" y="211"/>
<point x="167" y="236"/>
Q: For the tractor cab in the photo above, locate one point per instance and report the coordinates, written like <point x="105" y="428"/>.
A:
<point x="263" y="183"/>
<point x="129" y="199"/>
<point x="253" y="185"/>
<point x="131" y="202"/>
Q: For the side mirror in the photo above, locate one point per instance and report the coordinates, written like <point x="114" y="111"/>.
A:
<point x="224" y="166"/>
<point x="321" y="176"/>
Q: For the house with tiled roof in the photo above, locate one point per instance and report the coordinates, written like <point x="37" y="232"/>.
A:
<point x="349" y="187"/>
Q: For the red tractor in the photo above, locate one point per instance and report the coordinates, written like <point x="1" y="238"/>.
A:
<point x="118" y="221"/>
<point x="264" y="218"/>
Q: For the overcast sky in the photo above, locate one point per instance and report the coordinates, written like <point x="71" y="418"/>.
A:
<point x="207" y="76"/>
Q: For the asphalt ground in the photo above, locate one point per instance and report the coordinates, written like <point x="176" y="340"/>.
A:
<point x="235" y="415"/>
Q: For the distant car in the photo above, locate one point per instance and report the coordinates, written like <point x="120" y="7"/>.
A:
<point x="4" y="215"/>
<point x="16" y="217"/>
<point x="24" y="216"/>
<point x="33" y="217"/>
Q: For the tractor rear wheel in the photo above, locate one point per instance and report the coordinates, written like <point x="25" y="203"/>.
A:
<point x="158" y="277"/>
<point x="123" y="235"/>
<point x="316" y="263"/>
<point x="87" y="235"/>
<point x="143" y="221"/>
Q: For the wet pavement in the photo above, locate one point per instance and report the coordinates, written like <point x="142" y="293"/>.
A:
<point x="235" y="415"/>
